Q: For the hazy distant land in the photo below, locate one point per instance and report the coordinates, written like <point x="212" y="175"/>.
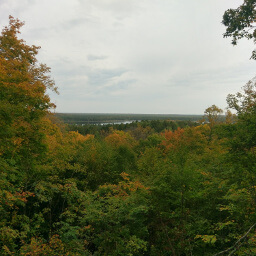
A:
<point x="90" y="118"/>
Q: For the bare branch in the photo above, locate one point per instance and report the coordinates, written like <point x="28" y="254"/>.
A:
<point x="238" y="243"/>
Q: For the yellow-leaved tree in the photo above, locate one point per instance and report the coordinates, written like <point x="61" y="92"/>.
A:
<point x="23" y="98"/>
<point x="24" y="105"/>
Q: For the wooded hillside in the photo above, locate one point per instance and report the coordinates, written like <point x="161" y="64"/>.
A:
<point x="180" y="190"/>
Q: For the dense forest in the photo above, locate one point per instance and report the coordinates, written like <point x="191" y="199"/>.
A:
<point x="137" y="129"/>
<point x="147" y="188"/>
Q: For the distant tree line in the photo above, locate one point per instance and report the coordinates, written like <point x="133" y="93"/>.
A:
<point x="87" y="118"/>
<point x="134" y="128"/>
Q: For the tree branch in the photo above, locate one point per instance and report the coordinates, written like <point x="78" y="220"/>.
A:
<point x="238" y="243"/>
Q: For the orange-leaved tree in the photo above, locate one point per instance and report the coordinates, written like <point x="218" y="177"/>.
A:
<point x="23" y="98"/>
<point x="24" y="104"/>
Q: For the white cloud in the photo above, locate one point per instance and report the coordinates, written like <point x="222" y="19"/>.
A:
<point x="143" y="56"/>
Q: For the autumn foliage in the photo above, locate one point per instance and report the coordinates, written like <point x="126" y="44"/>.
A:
<point x="148" y="190"/>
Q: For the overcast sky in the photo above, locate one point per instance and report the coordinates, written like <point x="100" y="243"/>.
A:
<point x="130" y="56"/>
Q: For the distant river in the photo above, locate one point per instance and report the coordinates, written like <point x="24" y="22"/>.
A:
<point x="119" y="122"/>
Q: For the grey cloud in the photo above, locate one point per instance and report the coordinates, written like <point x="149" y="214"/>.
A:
<point x="85" y="82"/>
<point x="19" y="6"/>
<point x="91" y="57"/>
<point x="102" y="76"/>
<point x="68" y="69"/>
<point x="210" y="77"/>
<point x="115" y="87"/>
<point x="123" y="84"/>
<point x="97" y="93"/>
<point x="45" y="31"/>
<point x="74" y="23"/>
<point x="118" y="9"/>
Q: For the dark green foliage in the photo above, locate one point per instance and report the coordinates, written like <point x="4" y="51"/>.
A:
<point x="109" y="221"/>
<point x="240" y="23"/>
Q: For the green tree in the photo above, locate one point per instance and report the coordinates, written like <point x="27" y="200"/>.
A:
<point x="239" y="177"/>
<point x="212" y="114"/>
<point x="243" y="102"/>
<point x="240" y="23"/>
<point x="112" y="220"/>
